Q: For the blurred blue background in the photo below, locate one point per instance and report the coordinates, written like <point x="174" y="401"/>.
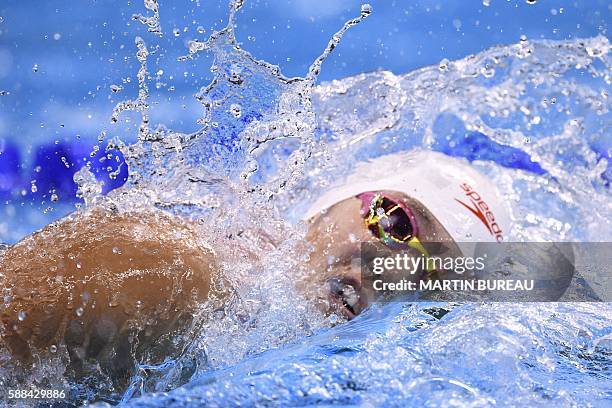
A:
<point x="59" y="59"/>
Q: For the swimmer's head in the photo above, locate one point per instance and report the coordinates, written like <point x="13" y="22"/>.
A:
<point x="425" y="203"/>
<point x="389" y="220"/>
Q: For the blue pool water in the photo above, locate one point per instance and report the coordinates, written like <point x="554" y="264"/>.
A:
<point x="428" y="355"/>
<point x="59" y="59"/>
<point x="530" y="110"/>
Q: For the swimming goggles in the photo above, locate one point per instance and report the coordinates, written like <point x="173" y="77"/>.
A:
<point x="392" y="222"/>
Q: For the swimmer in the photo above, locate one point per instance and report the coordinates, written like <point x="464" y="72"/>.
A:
<point x="141" y="275"/>
<point x="424" y="203"/>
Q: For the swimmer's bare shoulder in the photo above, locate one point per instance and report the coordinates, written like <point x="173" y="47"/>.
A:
<point x="102" y="284"/>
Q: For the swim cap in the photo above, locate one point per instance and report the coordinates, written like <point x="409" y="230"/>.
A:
<point x="465" y="202"/>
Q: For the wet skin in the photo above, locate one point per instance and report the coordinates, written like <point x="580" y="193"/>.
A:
<point x="107" y="286"/>
<point x="113" y="288"/>
<point x="337" y="235"/>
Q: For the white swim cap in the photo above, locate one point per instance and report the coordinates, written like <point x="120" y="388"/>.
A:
<point x="463" y="200"/>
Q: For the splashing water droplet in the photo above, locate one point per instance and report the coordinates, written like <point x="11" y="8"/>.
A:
<point x="21" y="315"/>
<point x="152" y="22"/>
<point x="79" y="311"/>
<point x="486" y="3"/>
<point x="236" y="110"/>
<point x="88" y="187"/>
<point x="139" y="104"/>
<point x="525" y="49"/>
<point x="443" y="65"/>
<point x="366" y="10"/>
<point x="53" y="348"/>
<point x="595" y="52"/>
<point x="488" y="71"/>
<point x="35" y="68"/>
<point x="315" y="68"/>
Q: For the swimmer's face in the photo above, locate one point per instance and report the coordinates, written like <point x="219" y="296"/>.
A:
<point x="337" y="234"/>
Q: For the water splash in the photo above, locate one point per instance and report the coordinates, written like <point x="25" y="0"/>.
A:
<point x="535" y="102"/>
<point x="89" y="189"/>
<point x="477" y="355"/>
<point x="409" y="353"/>
<point x="249" y="107"/>
<point x="269" y="144"/>
<point x="152" y="22"/>
<point x="315" y="68"/>
<point x="139" y="104"/>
